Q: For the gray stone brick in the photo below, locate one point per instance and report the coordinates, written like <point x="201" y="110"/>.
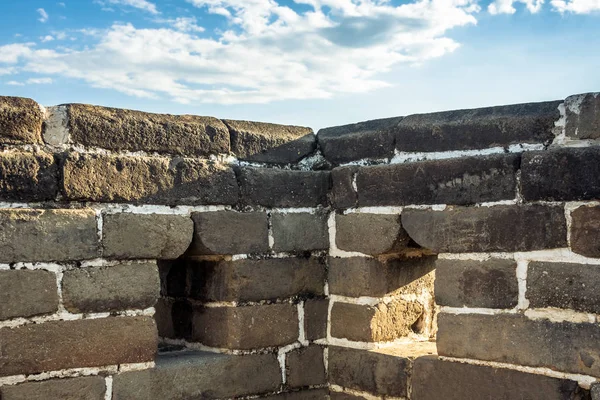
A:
<point x="27" y="177"/>
<point x="370" y="233"/>
<point x="299" y="232"/>
<point x="315" y="318"/>
<point x="82" y="388"/>
<point x="585" y="231"/>
<point x="583" y="116"/>
<point x="343" y="194"/>
<point x="305" y="367"/>
<point x="24" y="293"/>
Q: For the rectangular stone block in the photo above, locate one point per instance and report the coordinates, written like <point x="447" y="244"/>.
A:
<point x="55" y="345"/>
<point x="118" y="129"/>
<point x="370" y="233"/>
<point x="27" y="177"/>
<point x="256" y="280"/>
<point x="130" y="236"/>
<point x="270" y="187"/>
<point x="25" y="293"/>
<point x="305" y="367"/>
<point x="516" y="339"/>
<point x="120" y="287"/>
<point x="315" y="318"/>
<point x="435" y="379"/>
<point x="149" y="180"/>
<point x="488" y="229"/>
<point x="461" y="181"/>
<point x="247" y="327"/>
<point x="199" y="375"/>
<point x="583" y="116"/>
<point x="299" y="232"/>
<point x="585" y="231"/>
<point x="21" y="121"/>
<point x="343" y="192"/>
<point x="82" y="388"/>
<point x="305" y="394"/>
<point x="29" y="235"/>
<point x="478" y="284"/>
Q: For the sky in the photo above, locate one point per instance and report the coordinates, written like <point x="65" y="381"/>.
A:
<point x="313" y="63"/>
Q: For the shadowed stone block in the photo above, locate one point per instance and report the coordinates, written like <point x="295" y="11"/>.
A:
<point x="585" y="231"/>
<point x="315" y="318"/>
<point x="24" y="293"/>
<point x="82" y="388"/>
<point x="370" y="233"/>
<point x="299" y="232"/>
<point x="305" y="367"/>
<point x="343" y="193"/>
<point x="28" y="176"/>
<point x="20" y="121"/>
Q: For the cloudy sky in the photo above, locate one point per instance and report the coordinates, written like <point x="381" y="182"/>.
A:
<point x="306" y="62"/>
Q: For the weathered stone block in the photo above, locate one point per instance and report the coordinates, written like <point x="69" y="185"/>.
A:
<point x="479" y="284"/>
<point x="34" y="348"/>
<point x="270" y="143"/>
<point x="162" y="315"/>
<point x="434" y="379"/>
<point x="24" y="293"/>
<point x="128" y="236"/>
<point x="82" y="388"/>
<point x="486" y="229"/>
<point x="198" y="375"/>
<point x="345" y="396"/>
<point x="47" y="235"/>
<point x="118" y="129"/>
<point x="515" y="339"/>
<point x="305" y="394"/>
<point x="20" y="121"/>
<point x="361" y="276"/>
<point x="461" y="181"/>
<point x="343" y="193"/>
<point x="305" y="367"/>
<point x="583" y="116"/>
<point x="315" y="318"/>
<point x="154" y="180"/>
<point x="230" y="232"/>
<point x="121" y="287"/>
<point x="370" y="233"/>
<point x="270" y="187"/>
<point x="585" y="231"/>
<point x="299" y="232"/>
<point x="27" y="176"/>
<point x="248" y="327"/>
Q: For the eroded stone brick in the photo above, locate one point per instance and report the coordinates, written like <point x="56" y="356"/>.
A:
<point x="28" y="177"/>
<point x="585" y="231"/>
<point x="82" y="388"/>
<point x="583" y="116"/>
<point x="305" y="367"/>
<point x="24" y="293"/>
<point x="299" y="232"/>
<point x="370" y="233"/>
<point x="343" y="193"/>
<point x="20" y="121"/>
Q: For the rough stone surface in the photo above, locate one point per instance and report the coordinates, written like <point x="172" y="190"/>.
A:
<point x="24" y="293"/>
<point x="82" y="388"/>
<point x="256" y="280"/>
<point x="478" y="284"/>
<point x="434" y="379"/>
<point x="315" y="318"/>
<point x="296" y="232"/>
<point x="564" y="285"/>
<point x="515" y="339"/>
<point x="244" y="328"/>
<point x="271" y="187"/>
<point x="383" y="322"/>
<point x="583" y="116"/>
<point x="128" y="236"/>
<point x="55" y="345"/>
<point x="198" y="375"/>
<point x="369" y="371"/>
<point x="47" y="235"/>
<point x="585" y="231"/>
<point x="118" y="129"/>
<point x="312" y="394"/>
<point x="343" y="194"/>
<point x="164" y="321"/>
<point x="245" y="233"/>
<point x="487" y="229"/>
<point x="595" y="391"/>
<point x="20" y="121"/>
<point x="370" y="233"/>
<point x="305" y="367"/>
<point x="460" y="181"/>
<point x="27" y="177"/>
<point x="361" y="276"/>
<point x="154" y="180"/>
<point x="270" y="143"/>
<point x="121" y="287"/>
<point x="344" y="396"/>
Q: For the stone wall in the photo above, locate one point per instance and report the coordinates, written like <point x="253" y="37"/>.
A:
<point x="449" y="255"/>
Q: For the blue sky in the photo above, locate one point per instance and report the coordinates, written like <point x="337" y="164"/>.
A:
<point x="308" y="62"/>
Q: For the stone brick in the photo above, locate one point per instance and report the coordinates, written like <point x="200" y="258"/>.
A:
<point x="55" y="345"/>
<point x="379" y="323"/>
<point x="515" y="339"/>
<point x="315" y="318"/>
<point x="461" y="181"/>
<point x="198" y="375"/>
<point x="154" y="180"/>
<point x="585" y="231"/>
<point x="298" y="232"/>
<point x="271" y="187"/>
<point x="256" y="280"/>
<point x="370" y="233"/>
<point x="564" y="285"/>
<point x="82" y="388"/>
<point x="121" y="287"/>
<point x="434" y="379"/>
<point x="162" y="315"/>
<point x="118" y="129"/>
<point x="127" y="236"/>
<point x="369" y="371"/>
<point x="583" y="116"/>
<point x="562" y="174"/>
<point x="345" y="396"/>
<point x="230" y="232"/>
<point x="370" y="139"/>
<point x="361" y="276"/>
<point x="21" y="121"/>
<point x="305" y="367"/>
<point x="24" y="293"/>
<point x="343" y="194"/>
<point x="488" y="229"/>
<point x="27" y="177"/>
<point x="270" y="143"/>
<point x="47" y="235"/>
<point x="248" y="327"/>
<point x="479" y="284"/>
<point x="306" y="394"/>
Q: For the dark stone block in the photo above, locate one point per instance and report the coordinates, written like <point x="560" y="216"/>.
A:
<point x="20" y="121"/>
<point x="370" y="233"/>
<point x="82" y="388"/>
<point x="343" y="194"/>
<point x="27" y="177"/>
<point x="315" y="318"/>
<point x="24" y="293"/>
<point x="585" y="231"/>
<point x="299" y="232"/>
<point x="305" y="367"/>
<point x="583" y="116"/>
<point x="306" y="394"/>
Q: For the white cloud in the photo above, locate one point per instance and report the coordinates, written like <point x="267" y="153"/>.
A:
<point x="47" y="38"/>
<point x="184" y="24"/>
<point x="43" y="15"/>
<point x="15" y="83"/>
<point x="139" y="4"/>
<point x="62" y="4"/>
<point x="39" y="81"/>
<point x="507" y="6"/>
<point x="576" y="6"/>
<point x="7" y="71"/>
